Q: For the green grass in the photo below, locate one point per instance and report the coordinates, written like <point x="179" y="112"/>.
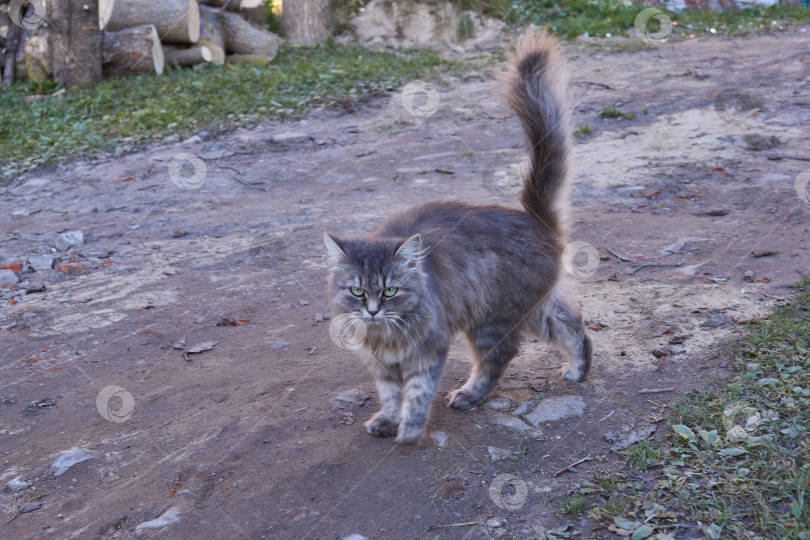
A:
<point x="582" y="131"/>
<point x="603" y="18"/>
<point x="642" y="455"/>
<point x="611" y="111"/>
<point x="740" y="454"/>
<point x="737" y="458"/>
<point x="573" y="506"/>
<point x="186" y="101"/>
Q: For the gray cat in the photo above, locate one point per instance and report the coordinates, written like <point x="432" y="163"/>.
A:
<point x="491" y="272"/>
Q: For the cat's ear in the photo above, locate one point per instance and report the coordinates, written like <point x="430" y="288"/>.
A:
<point x="411" y="250"/>
<point x="334" y="246"/>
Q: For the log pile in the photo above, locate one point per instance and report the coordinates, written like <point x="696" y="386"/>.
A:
<point x="134" y="37"/>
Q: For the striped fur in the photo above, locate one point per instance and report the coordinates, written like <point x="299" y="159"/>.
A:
<point x="490" y="272"/>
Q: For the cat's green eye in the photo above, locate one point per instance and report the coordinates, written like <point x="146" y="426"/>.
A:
<point x="357" y="291"/>
<point x="390" y="291"/>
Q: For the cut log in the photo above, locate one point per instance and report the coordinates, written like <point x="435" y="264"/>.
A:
<point x="175" y="20"/>
<point x="133" y="51"/>
<point x="250" y="59"/>
<point x="187" y="57"/>
<point x="74" y="40"/>
<point x="233" y="5"/>
<point x="307" y="22"/>
<point x="105" y="10"/>
<point x="211" y="35"/>
<point x="241" y="37"/>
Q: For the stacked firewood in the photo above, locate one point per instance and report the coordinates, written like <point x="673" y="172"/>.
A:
<point x="138" y="36"/>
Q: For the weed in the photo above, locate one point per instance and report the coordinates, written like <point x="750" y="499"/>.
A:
<point x="582" y="131"/>
<point x="573" y="506"/>
<point x="642" y="455"/>
<point x="611" y="111"/>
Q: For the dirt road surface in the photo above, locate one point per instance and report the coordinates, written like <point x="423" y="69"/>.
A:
<point x="243" y="441"/>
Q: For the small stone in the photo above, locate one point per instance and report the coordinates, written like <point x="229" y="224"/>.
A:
<point x="30" y="507"/>
<point x="17" y="484"/>
<point x="498" y="454"/>
<point x="350" y="398"/>
<point x="194" y="139"/>
<point x="355" y="536"/>
<point x="556" y="408"/>
<point x="440" y="437"/>
<point x="347" y="418"/>
<point x="496" y="523"/>
<point x="303" y="303"/>
<point x="8" y="277"/>
<point x="41" y="263"/>
<point x="70" y="239"/>
<point x="500" y="404"/>
<point x="169" y="517"/>
<point x="749" y="275"/>
<point x="524" y="407"/>
<point x="510" y="422"/>
<point x="73" y="269"/>
<point x="280" y="345"/>
<point x="69" y="459"/>
<point x="289" y="137"/>
<point x="451" y="489"/>
<point x="631" y="438"/>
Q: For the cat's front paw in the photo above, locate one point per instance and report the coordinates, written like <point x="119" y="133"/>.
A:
<point x="573" y="375"/>
<point x="381" y="426"/>
<point x="409" y="433"/>
<point x="461" y="399"/>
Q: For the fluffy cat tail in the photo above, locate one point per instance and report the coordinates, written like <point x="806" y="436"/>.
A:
<point x="535" y="87"/>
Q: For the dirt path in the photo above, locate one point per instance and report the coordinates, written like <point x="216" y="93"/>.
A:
<point x="242" y="441"/>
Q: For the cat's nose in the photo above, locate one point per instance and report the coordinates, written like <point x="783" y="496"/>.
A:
<point x="373" y="312"/>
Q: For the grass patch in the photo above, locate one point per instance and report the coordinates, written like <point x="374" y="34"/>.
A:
<point x="642" y="455"/>
<point x="605" y="18"/>
<point x="582" y="131"/>
<point x="611" y="111"/>
<point x="573" y="506"/>
<point x="740" y="455"/>
<point x="737" y="459"/>
<point x="186" y="101"/>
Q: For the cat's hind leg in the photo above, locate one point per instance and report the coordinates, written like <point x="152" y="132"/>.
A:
<point x="559" y="323"/>
<point x="389" y="387"/>
<point x="493" y="347"/>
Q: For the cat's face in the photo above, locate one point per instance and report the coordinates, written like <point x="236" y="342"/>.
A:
<point x="376" y="283"/>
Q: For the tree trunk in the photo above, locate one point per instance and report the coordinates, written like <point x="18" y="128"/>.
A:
<point x="75" y="41"/>
<point x="232" y="5"/>
<point x="307" y="22"/>
<point x="187" y="57"/>
<point x="175" y="20"/>
<point x="12" y="44"/>
<point x="211" y="35"/>
<point x="133" y="51"/>
<point x="37" y="54"/>
<point x="241" y="37"/>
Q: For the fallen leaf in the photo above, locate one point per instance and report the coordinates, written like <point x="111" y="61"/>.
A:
<point x="684" y="432"/>
<point x="201" y="347"/>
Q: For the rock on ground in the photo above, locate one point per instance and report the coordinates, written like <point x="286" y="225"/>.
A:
<point x="169" y="517"/>
<point x="70" y="458"/>
<point x="556" y="408"/>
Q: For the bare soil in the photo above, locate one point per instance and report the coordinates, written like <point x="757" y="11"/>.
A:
<point x="242" y="439"/>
